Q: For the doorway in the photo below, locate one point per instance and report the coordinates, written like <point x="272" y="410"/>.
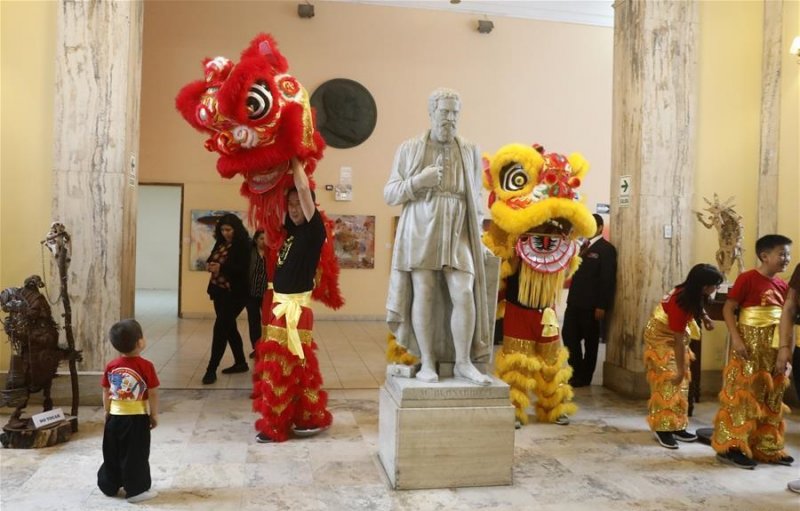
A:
<point x="159" y="219"/>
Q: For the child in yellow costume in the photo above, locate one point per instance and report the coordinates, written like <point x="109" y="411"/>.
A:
<point x="537" y="217"/>
<point x="749" y="425"/>
<point x="667" y="353"/>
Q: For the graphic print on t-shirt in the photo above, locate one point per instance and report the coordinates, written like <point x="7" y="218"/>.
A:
<point x="771" y="297"/>
<point x="284" y="251"/>
<point x="126" y="384"/>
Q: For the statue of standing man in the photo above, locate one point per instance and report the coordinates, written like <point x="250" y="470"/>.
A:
<point x="438" y="308"/>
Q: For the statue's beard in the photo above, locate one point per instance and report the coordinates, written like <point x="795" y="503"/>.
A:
<point x="444" y="134"/>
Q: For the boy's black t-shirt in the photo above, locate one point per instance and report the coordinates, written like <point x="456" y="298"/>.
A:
<point x="299" y="255"/>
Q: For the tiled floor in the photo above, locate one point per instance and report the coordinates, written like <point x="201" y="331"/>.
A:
<point x="351" y="353"/>
<point x="204" y="455"/>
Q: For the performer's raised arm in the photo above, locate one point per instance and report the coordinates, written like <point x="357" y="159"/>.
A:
<point x="303" y="190"/>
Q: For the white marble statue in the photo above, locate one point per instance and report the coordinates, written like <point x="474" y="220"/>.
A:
<point x="437" y="304"/>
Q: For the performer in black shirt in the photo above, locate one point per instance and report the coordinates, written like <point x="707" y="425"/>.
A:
<point x="287" y="383"/>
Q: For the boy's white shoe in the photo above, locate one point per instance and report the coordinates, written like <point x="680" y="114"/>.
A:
<point x="147" y="495"/>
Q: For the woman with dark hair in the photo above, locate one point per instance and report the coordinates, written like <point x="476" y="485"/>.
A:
<point x="228" y="289"/>
<point x="257" y="281"/>
<point x="667" y="355"/>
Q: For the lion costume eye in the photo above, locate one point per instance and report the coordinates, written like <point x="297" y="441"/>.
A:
<point x="513" y="177"/>
<point x="259" y="101"/>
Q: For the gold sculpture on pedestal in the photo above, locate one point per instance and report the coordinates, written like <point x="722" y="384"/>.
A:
<point x="730" y="231"/>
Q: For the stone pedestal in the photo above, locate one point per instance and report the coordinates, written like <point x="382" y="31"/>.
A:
<point x="445" y="435"/>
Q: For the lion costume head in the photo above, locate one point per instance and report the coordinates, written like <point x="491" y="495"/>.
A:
<point x="258" y="117"/>
<point x="537" y="216"/>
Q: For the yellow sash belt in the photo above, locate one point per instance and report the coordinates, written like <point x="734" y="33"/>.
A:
<point x="128" y="407"/>
<point x="291" y="306"/>
<point x="762" y="316"/>
<point x="692" y="330"/>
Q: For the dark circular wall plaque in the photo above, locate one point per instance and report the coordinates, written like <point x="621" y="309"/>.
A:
<point x="346" y="112"/>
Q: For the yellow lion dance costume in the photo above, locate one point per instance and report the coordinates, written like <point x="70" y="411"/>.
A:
<point x="537" y="217"/>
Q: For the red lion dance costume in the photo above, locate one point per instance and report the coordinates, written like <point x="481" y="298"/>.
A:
<point x="536" y="218"/>
<point x="258" y="117"/>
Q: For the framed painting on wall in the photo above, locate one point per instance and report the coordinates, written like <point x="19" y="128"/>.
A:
<point x="354" y="240"/>
<point x="201" y="235"/>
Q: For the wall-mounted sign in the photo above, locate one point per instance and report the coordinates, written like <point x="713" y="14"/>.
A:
<point x="625" y="191"/>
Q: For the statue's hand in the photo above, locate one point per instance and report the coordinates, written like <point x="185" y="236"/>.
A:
<point x="430" y="176"/>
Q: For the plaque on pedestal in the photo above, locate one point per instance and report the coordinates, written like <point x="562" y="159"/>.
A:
<point x="448" y="434"/>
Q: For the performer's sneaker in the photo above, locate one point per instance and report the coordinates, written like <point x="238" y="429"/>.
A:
<point x="794" y="486"/>
<point x="236" y="368"/>
<point x="736" y="458"/>
<point x="210" y="377"/>
<point x="263" y="439"/>
<point x="783" y="460"/>
<point x="666" y="439"/>
<point x="308" y="432"/>
<point x="517" y="424"/>
<point x="562" y="420"/>
<point x="684" y="436"/>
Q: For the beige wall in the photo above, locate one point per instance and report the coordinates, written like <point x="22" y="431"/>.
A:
<point x="527" y="81"/>
<point x="27" y="53"/>
<point x="729" y="124"/>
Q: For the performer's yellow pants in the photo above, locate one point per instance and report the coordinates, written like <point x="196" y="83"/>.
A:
<point x="750" y="417"/>
<point x="667" y="409"/>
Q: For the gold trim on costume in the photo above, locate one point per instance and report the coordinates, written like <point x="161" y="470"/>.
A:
<point x="761" y="317"/>
<point x="128" y="407"/>
<point x="517" y="345"/>
<point x="281" y="336"/>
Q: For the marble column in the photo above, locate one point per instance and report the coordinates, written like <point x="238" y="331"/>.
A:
<point x="98" y="73"/>
<point x="772" y="57"/>
<point x="653" y="137"/>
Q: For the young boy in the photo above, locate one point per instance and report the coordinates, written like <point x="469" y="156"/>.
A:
<point x="749" y="424"/>
<point x="129" y="386"/>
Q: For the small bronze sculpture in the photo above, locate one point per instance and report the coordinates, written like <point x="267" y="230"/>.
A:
<point x="730" y="231"/>
<point x="33" y="335"/>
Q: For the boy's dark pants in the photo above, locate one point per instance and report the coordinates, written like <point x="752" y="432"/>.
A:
<point x="126" y="451"/>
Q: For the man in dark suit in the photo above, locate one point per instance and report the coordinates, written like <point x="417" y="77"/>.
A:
<point x="591" y="295"/>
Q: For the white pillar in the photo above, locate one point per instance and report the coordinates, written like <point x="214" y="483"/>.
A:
<point x="653" y="137"/>
<point x="772" y="57"/>
<point x="98" y="72"/>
